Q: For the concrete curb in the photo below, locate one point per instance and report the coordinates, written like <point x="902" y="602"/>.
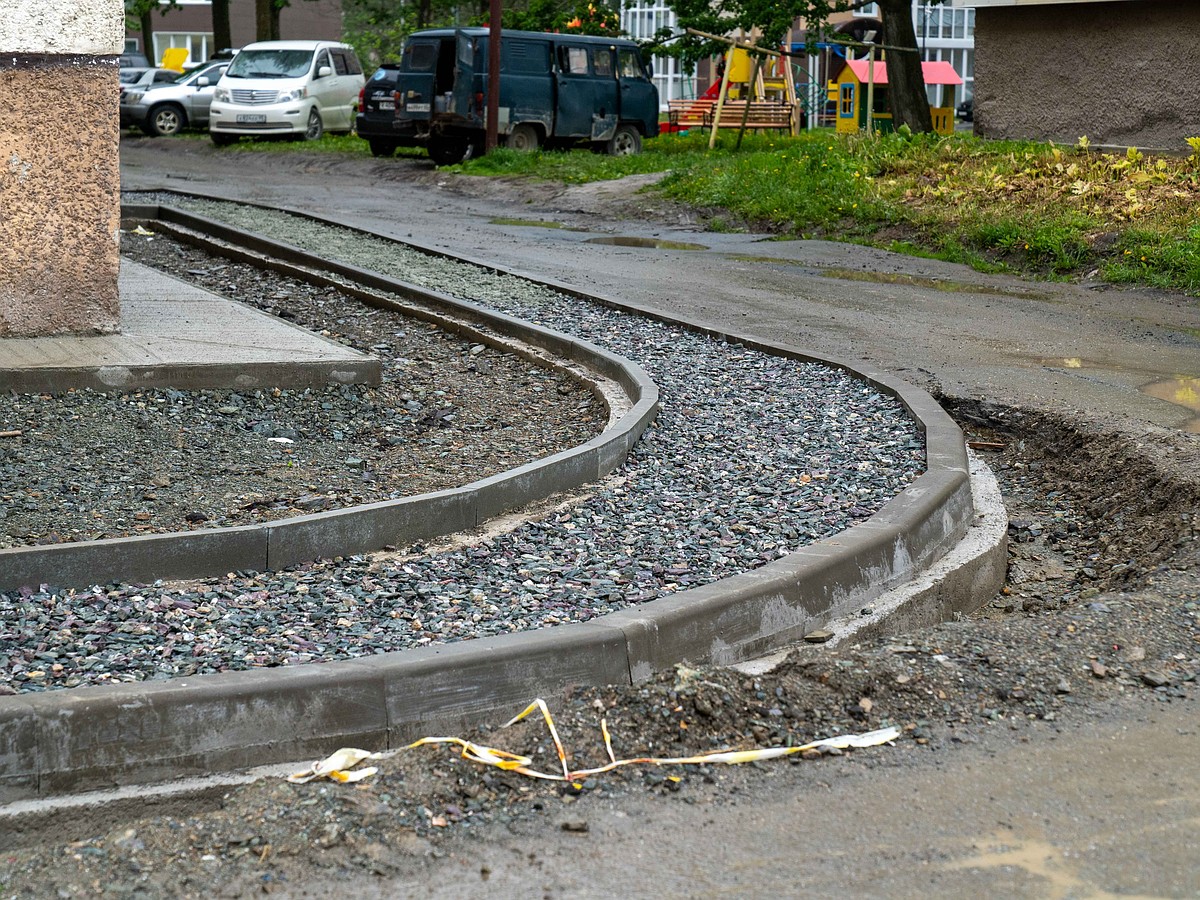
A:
<point x="957" y="584"/>
<point x="93" y="738"/>
<point x="286" y="542"/>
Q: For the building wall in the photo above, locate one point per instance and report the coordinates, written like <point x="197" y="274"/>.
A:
<point x="190" y="25"/>
<point x="1121" y="73"/>
<point x="60" y="203"/>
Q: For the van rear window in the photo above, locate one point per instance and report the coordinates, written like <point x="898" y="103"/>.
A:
<point x="420" y="58"/>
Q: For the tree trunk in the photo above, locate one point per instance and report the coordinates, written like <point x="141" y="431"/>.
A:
<point x="222" y="32"/>
<point x="262" y="19"/>
<point x="276" y="9"/>
<point x="906" y="83"/>
<point x="146" y="24"/>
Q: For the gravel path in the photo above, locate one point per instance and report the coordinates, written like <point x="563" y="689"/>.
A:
<point x="987" y="705"/>
<point x="751" y="457"/>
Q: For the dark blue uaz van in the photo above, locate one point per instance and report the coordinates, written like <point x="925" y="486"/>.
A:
<point x="555" y="90"/>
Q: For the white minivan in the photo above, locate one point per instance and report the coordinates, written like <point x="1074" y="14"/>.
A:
<point x="292" y="88"/>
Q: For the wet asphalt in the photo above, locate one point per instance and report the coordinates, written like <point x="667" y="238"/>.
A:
<point x="1099" y="809"/>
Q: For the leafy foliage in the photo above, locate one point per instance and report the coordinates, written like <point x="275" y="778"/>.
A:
<point x="563" y="16"/>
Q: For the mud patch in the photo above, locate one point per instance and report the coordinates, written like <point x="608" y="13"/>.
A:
<point x="534" y="223"/>
<point x="646" y="243"/>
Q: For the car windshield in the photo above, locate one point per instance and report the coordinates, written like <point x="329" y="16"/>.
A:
<point x="270" y="64"/>
<point x="129" y="76"/>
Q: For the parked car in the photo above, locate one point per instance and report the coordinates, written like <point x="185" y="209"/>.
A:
<point x="966" y="110"/>
<point x="165" y="109"/>
<point x="138" y="77"/>
<point x="299" y="89"/>
<point x="555" y="90"/>
<point x="135" y="61"/>
<point x="376" y="119"/>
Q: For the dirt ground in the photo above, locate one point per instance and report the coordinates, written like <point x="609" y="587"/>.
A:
<point x="1046" y="747"/>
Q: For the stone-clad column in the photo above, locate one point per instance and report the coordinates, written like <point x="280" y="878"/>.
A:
<point x="60" y="201"/>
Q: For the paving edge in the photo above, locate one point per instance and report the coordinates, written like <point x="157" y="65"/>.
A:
<point x="369" y="527"/>
<point x="956" y="585"/>
<point x="96" y="738"/>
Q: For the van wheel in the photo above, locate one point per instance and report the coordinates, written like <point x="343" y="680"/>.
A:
<point x="524" y="139"/>
<point x="626" y="141"/>
<point x="315" y="128"/>
<point x="448" y="151"/>
<point x="164" y="121"/>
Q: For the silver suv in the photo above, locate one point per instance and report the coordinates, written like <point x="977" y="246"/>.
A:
<point x="163" y="109"/>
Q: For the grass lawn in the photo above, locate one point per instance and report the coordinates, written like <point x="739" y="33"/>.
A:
<point x="1033" y="208"/>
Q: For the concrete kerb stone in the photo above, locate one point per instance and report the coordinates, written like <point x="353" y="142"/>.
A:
<point x="177" y="555"/>
<point x="284" y="542"/>
<point x="78" y="740"/>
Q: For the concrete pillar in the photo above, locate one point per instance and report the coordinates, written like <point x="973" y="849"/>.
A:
<point x="60" y="200"/>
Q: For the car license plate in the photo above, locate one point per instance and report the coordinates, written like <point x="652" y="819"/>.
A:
<point x="417" y="107"/>
<point x="255" y="119"/>
<point x="387" y="104"/>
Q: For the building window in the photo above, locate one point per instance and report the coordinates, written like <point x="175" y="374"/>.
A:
<point x="846" y="103"/>
<point x="198" y="45"/>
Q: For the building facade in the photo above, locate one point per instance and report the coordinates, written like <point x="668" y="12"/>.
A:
<point x="1119" y="72"/>
<point x="189" y="24"/>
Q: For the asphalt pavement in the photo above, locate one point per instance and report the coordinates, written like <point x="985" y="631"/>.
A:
<point x="1097" y="809"/>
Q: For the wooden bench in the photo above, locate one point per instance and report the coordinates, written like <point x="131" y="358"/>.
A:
<point x="699" y="113"/>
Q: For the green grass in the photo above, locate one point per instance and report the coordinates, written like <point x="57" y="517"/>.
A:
<point x="998" y="206"/>
<point x="1024" y="207"/>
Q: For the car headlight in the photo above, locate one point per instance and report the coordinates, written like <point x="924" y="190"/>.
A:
<point x="221" y="95"/>
<point x="288" y="96"/>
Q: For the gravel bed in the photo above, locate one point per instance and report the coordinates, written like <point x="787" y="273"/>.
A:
<point x="751" y="457"/>
<point x="88" y="465"/>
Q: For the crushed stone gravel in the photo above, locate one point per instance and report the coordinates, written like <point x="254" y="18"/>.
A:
<point x="751" y="457"/>
<point x="1022" y="670"/>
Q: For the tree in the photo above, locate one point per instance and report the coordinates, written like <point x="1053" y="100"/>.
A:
<point x="140" y="11"/>
<point x="266" y="20"/>
<point x="377" y="28"/>
<point x="222" y="31"/>
<point x="565" y="16"/>
<point x="771" y="19"/>
<point x="906" y="82"/>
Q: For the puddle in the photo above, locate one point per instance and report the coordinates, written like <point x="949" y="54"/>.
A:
<point x="533" y="223"/>
<point x="1045" y="864"/>
<point x="1071" y="362"/>
<point x="646" y="243"/>
<point x="1181" y="390"/>
<point x="936" y="284"/>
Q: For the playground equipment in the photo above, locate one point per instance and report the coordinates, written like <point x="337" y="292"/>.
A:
<point x="862" y="86"/>
<point x="757" y="91"/>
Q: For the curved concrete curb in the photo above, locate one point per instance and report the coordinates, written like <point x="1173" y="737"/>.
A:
<point x="91" y="738"/>
<point x="286" y="542"/>
<point x="957" y="584"/>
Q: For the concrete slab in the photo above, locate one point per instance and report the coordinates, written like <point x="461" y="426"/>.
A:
<point x="173" y="334"/>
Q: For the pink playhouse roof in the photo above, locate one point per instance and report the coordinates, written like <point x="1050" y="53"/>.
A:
<point x="940" y="72"/>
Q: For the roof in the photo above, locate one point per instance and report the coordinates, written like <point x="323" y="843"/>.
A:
<point x="483" y="31"/>
<point x="292" y="45"/>
<point x="939" y="72"/>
